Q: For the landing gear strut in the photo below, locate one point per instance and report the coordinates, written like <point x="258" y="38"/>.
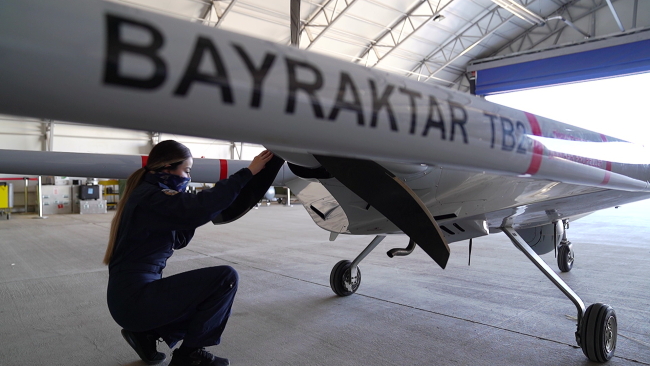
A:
<point x="346" y="276"/>
<point x="597" y="327"/>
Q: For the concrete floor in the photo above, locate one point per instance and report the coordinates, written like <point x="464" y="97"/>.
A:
<point x="499" y="311"/>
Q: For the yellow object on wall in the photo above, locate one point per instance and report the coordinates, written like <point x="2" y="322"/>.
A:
<point x="111" y="192"/>
<point x="4" y="196"/>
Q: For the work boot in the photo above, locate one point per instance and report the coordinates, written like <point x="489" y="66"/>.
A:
<point x="197" y="357"/>
<point x="144" y="344"/>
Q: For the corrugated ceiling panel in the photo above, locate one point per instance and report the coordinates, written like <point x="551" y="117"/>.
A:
<point x="373" y="12"/>
<point x="261" y="29"/>
<point x="337" y="48"/>
<point x="417" y="46"/>
<point x="360" y="28"/>
<point x="186" y="9"/>
<point x="397" y="65"/>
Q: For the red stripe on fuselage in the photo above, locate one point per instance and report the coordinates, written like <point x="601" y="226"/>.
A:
<point x="608" y="165"/>
<point x="223" y="171"/>
<point x="538" y="149"/>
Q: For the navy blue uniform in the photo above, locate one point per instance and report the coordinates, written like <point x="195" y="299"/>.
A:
<point x="193" y="306"/>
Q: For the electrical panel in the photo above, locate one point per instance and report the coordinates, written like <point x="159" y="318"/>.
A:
<point x="56" y="199"/>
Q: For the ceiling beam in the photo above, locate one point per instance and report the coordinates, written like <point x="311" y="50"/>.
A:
<point x="206" y="17"/>
<point x="618" y="21"/>
<point x="321" y="19"/>
<point x="295" y="22"/>
<point x="388" y="37"/>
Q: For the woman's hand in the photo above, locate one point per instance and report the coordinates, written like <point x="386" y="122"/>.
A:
<point x="260" y="161"/>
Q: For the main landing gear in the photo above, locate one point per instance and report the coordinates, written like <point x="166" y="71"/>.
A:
<point x="565" y="251"/>
<point x="596" y="327"/>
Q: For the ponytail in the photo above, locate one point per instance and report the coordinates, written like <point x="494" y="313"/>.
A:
<point x="134" y="180"/>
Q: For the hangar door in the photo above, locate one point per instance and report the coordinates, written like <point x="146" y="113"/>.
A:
<point x="614" y="56"/>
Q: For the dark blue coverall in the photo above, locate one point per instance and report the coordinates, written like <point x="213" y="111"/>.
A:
<point x="192" y="306"/>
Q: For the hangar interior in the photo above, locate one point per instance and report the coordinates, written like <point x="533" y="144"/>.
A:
<point x="53" y="283"/>
<point x="460" y="44"/>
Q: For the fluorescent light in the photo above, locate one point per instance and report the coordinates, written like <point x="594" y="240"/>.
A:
<point x="520" y="11"/>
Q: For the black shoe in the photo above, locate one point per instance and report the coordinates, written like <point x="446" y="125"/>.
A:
<point x="144" y="345"/>
<point x="198" y="357"/>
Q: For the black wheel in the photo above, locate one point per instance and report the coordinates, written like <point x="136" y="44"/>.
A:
<point x="565" y="258"/>
<point x="341" y="281"/>
<point x="598" y="331"/>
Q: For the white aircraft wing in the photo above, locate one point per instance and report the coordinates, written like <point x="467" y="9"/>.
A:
<point x="108" y="64"/>
<point x="114" y="166"/>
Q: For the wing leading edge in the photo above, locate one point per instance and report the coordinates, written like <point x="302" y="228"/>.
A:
<point x="297" y="101"/>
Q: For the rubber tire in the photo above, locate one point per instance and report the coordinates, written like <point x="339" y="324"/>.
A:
<point x="563" y="253"/>
<point x="340" y="270"/>
<point x="593" y="332"/>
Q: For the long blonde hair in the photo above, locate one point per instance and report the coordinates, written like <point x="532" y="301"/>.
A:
<point x="164" y="154"/>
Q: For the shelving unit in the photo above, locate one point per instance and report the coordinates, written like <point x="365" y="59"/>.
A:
<point x="111" y="192"/>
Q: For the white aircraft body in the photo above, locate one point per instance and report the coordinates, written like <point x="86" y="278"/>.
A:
<point x="368" y="152"/>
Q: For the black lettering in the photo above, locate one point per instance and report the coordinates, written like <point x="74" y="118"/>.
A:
<point x="412" y="95"/>
<point x="522" y="139"/>
<point x="355" y="106"/>
<point x="378" y="104"/>
<point x="257" y="74"/>
<point x="204" y="46"/>
<point x="455" y="121"/>
<point x="116" y="46"/>
<point x="434" y="120"/>
<point x="508" y="129"/>
<point x="310" y="89"/>
<point x="492" y="119"/>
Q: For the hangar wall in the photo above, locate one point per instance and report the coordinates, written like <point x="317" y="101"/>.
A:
<point x="20" y="133"/>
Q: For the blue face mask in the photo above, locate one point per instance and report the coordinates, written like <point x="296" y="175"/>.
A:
<point x="172" y="181"/>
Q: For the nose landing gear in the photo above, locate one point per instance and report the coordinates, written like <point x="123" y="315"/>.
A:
<point x="342" y="281"/>
<point x="346" y="276"/>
